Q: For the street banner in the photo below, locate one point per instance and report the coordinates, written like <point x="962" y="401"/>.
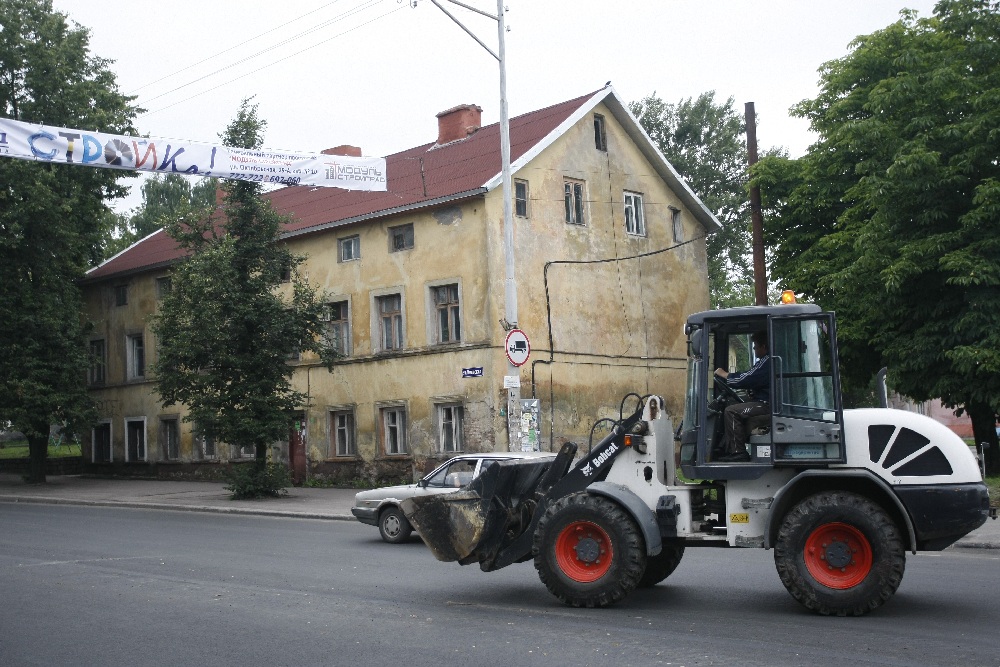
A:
<point x="42" y="143"/>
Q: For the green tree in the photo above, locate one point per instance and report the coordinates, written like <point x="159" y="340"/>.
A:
<point x="705" y="141"/>
<point x="893" y="217"/>
<point x="225" y="331"/>
<point x="52" y="222"/>
<point x="164" y="197"/>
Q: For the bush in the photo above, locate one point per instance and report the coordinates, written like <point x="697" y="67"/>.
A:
<point x="248" y="481"/>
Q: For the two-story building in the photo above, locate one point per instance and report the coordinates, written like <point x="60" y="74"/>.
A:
<point x="609" y="251"/>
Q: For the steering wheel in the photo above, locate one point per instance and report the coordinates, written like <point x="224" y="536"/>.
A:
<point x="722" y="386"/>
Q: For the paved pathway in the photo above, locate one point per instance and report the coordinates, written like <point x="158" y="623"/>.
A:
<point x="212" y="497"/>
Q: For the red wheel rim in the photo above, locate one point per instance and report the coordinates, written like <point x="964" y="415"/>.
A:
<point x="838" y="555"/>
<point x="583" y="551"/>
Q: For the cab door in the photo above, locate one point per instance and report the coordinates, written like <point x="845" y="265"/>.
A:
<point x="807" y="413"/>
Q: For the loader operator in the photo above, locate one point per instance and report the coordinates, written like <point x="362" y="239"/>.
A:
<point x="758" y="381"/>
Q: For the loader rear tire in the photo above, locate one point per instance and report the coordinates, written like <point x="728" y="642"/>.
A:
<point x="662" y="565"/>
<point x="839" y="553"/>
<point x="588" y="551"/>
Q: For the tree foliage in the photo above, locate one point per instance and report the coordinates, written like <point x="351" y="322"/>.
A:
<point x="52" y="222"/>
<point x="225" y="330"/>
<point x="165" y="197"/>
<point x="705" y="140"/>
<point x="893" y="217"/>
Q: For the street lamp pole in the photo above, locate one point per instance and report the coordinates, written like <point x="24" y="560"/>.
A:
<point x="510" y="285"/>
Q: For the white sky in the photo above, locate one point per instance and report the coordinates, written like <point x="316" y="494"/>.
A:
<point x="373" y="73"/>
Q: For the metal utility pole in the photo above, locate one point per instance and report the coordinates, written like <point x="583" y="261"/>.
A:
<point x="510" y="286"/>
<point x="759" y="266"/>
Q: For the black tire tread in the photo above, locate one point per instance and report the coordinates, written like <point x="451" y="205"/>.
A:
<point x="888" y="553"/>
<point x="403" y="535"/>
<point x="662" y="565"/>
<point x="629" y="547"/>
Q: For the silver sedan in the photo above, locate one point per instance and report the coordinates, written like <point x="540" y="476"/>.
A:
<point x="380" y="507"/>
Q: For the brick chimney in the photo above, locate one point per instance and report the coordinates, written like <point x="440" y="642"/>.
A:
<point x="350" y="151"/>
<point x="458" y="123"/>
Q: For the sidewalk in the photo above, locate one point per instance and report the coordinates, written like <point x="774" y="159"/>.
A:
<point x="304" y="503"/>
<point x="301" y="502"/>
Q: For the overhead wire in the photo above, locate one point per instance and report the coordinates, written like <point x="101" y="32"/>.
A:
<point x="274" y="62"/>
<point x="231" y="48"/>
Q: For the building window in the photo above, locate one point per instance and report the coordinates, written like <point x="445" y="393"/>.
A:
<point x="394" y="430"/>
<point x="390" y="321"/>
<point x="286" y="275"/>
<point x="600" y="136"/>
<point x="101" y="446"/>
<point x="98" y="362"/>
<point x="242" y="452"/>
<point x="675" y="223"/>
<point x="170" y="439"/>
<point x="400" y="238"/>
<point x="121" y="295"/>
<point x="338" y="327"/>
<point x="521" y="199"/>
<point x="350" y="248"/>
<point x="573" y="193"/>
<point x="342" y="430"/>
<point x="450" y="419"/>
<point x="135" y="352"/>
<point x="635" y="219"/>
<point x="163" y="287"/>
<point x="135" y="440"/>
<point x="205" y="443"/>
<point x="449" y="315"/>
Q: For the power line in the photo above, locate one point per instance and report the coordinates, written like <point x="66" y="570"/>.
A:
<point x="231" y="48"/>
<point x="271" y="48"/>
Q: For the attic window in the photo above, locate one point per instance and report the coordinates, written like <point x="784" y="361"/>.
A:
<point x="600" y="137"/>
<point x="400" y="238"/>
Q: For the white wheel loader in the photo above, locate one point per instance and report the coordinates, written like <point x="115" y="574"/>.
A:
<point x="839" y="495"/>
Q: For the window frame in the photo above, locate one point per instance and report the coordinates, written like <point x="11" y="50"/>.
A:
<point x="350" y="430"/>
<point x="676" y="225"/>
<point x="120" y="295"/>
<point x="355" y="242"/>
<point x="574" y="201"/>
<point x="163" y="286"/>
<point x="343" y="309"/>
<point x="407" y="234"/>
<point x="385" y="413"/>
<point x="450" y="420"/>
<point x="600" y="133"/>
<point x="97" y="371"/>
<point x="452" y="310"/>
<point x="521" y="201"/>
<point x="377" y="320"/>
<point x="134" y="371"/>
<point x="143" y="454"/>
<point x="101" y="424"/>
<point x="637" y="222"/>
<point x="170" y="426"/>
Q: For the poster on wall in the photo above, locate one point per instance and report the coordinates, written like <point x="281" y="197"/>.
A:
<point x="529" y="431"/>
<point x="59" y="145"/>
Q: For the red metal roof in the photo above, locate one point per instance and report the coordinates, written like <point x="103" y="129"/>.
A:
<point x="420" y="176"/>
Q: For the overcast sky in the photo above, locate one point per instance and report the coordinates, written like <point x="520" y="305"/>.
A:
<point x="373" y="73"/>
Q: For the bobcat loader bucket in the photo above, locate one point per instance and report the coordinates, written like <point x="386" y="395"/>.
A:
<point x="474" y="523"/>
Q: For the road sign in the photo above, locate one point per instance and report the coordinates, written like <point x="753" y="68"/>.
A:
<point x="517" y="347"/>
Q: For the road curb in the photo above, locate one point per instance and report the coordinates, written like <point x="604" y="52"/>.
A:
<point x="178" y="508"/>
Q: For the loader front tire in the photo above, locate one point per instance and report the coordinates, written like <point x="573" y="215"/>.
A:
<point x="588" y="551"/>
<point x="662" y="565"/>
<point x="839" y="553"/>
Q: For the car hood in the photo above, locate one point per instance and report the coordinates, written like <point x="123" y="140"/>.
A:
<point x="402" y="490"/>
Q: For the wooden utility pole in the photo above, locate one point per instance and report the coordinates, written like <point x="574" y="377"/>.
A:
<point x="759" y="266"/>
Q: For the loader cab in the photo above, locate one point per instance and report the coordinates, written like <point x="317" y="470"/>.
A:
<point x="805" y="422"/>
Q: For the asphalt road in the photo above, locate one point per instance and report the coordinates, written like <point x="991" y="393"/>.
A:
<point x="110" y="586"/>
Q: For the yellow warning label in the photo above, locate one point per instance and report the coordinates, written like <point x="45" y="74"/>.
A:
<point x="739" y="518"/>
